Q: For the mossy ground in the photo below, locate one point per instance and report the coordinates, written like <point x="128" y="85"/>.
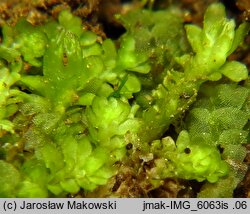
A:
<point x="98" y="16"/>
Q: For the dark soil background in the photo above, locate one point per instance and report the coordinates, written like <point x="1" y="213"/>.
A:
<point x="98" y="16"/>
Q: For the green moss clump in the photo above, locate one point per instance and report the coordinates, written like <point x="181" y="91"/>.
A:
<point x="70" y="102"/>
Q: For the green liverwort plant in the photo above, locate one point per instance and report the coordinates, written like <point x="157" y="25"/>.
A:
<point x="71" y="102"/>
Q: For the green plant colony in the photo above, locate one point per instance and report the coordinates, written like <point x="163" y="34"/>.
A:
<point x="70" y="103"/>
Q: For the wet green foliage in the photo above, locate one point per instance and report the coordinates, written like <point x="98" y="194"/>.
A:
<point x="70" y="102"/>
